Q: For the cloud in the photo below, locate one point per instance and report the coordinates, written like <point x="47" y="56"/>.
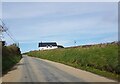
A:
<point x="29" y="10"/>
<point x="61" y="22"/>
<point x="60" y="0"/>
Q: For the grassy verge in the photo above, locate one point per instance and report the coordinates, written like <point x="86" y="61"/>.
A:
<point x="101" y="59"/>
<point x="10" y="56"/>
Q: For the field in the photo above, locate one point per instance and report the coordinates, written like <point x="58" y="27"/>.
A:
<point x="10" y="56"/>
<point x="101" y="59"/>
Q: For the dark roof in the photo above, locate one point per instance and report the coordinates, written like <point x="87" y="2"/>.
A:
<point x="60" y="46"/>
<point x="44" y="44"/>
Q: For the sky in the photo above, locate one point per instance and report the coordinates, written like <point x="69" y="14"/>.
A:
<point x="62" y="22"/>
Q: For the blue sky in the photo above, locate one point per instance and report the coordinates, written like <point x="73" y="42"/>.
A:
<point x="63" y="22"/>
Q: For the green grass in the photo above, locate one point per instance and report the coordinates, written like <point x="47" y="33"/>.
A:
<point x="10" y="56"/>
<point x="99" y="59"/>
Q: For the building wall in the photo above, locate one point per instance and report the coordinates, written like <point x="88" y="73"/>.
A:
<point x="47" y="48"/>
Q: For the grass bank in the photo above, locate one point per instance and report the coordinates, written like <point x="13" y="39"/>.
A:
<point x="101" y="59"/>
<point x="10" y="56"/>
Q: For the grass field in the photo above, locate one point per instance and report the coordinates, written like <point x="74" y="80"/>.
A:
<point x="101" y="59"/>
<point x="10" y="56"/>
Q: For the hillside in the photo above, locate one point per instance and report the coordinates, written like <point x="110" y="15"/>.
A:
<point x="101" y="59"/>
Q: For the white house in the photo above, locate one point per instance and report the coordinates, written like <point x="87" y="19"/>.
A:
<point x="47" y="45"/>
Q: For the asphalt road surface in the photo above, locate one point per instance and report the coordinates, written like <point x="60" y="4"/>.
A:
<point x="31" y="69"/>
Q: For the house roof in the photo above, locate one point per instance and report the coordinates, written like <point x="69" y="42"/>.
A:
<point x="44" y="44"/>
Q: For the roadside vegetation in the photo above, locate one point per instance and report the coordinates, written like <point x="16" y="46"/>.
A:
<point x="100" y="59"/>
<point x="10" y="56"/>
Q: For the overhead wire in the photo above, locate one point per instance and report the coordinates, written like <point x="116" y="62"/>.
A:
<point x="10" y="36"/>
<point x="8" y="32"/>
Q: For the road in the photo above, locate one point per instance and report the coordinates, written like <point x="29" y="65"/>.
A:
<point x="31" y="69"/>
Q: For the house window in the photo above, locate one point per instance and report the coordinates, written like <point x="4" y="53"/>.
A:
<point x="50" y="46"/>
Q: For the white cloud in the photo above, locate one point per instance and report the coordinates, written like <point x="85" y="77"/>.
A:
<point x="29" y="10"/>
<point x="61" y="22"/>
<point x="59" y="0"/>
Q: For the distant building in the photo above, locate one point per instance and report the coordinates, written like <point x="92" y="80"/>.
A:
<point x="47" y="45"/>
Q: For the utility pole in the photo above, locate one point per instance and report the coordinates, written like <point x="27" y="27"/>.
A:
<point x="2" y="29"/>
<point x="75" y="42"/>
<point x="0" y="32"/>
